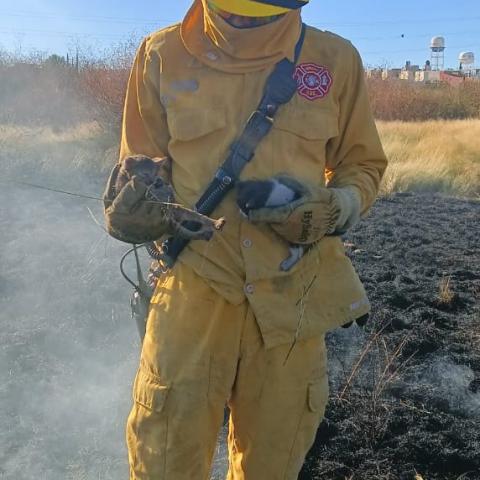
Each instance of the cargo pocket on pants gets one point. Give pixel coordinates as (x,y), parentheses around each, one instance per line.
(315,397)
(149,392)
(147,428)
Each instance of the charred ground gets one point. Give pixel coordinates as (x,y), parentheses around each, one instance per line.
(405,394)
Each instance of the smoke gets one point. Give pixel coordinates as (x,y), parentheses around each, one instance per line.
(344,350)
(439,382)
(449,383)
(68,347)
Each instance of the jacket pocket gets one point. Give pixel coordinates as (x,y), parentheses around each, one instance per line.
(149,392)
(187,124)
(299,142)
(198,143)
(308,123)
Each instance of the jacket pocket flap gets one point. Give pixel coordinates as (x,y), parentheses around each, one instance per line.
(148,392)
(189,123)
(311,124)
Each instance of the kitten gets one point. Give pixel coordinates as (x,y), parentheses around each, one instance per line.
(256,194)
(157,174)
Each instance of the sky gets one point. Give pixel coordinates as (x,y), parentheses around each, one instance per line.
(386,33)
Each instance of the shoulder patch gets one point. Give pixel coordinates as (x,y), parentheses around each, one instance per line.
(313,81)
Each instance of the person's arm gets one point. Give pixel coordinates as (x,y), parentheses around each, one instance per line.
(129,217)
(355,165)
(144,127)
(355,159)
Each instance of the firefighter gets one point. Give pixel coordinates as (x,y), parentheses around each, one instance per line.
(226,324)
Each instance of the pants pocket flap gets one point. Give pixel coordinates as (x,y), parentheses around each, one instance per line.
(149,392)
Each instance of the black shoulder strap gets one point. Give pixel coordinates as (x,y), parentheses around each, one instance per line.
(279,90)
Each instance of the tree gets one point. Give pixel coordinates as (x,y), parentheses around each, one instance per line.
(55,60)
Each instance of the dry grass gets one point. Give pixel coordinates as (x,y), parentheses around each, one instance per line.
(61,155)
(54,118)
(103,90)
(385,366)
(435,156)
(411,101)
(445,293)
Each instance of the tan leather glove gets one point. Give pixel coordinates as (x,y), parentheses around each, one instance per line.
(134,216)
(317,212)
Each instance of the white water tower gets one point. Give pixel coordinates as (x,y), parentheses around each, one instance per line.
(467,62)
(437,47)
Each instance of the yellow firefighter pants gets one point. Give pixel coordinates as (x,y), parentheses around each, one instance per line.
(200,353)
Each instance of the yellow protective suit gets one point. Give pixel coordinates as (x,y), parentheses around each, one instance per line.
(201,351)
(223,320)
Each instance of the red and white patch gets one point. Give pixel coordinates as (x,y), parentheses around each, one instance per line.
(314,81)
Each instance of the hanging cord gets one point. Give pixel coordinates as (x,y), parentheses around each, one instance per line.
(139,268)
(142,284)
(142,295)
(142,287)
(122,267)
(19,183)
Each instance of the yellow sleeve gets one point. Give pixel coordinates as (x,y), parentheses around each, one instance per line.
(356,157)
(144,126)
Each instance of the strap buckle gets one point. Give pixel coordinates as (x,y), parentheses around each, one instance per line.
(258,125)
(243,150)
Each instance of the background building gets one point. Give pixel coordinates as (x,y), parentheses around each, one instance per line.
(434,70)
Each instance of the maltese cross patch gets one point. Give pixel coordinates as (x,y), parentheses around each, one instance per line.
(314,81)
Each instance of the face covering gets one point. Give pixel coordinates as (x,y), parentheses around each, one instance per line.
(216,43)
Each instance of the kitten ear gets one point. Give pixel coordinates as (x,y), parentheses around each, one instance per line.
(164,166)
(129,163)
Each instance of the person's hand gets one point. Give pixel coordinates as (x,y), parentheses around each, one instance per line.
(133,218)
(317,211)
(133,215)
(361,322)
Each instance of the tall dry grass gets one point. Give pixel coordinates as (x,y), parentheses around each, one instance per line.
(401,100)
(58,157)
(434,156)
(103,90)
(40,94)
(54,119)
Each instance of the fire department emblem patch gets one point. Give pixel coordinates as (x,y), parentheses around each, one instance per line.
(314,81)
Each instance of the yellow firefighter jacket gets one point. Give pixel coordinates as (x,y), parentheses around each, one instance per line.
(192,110)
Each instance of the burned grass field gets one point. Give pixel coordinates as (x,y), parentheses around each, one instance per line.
(405,393)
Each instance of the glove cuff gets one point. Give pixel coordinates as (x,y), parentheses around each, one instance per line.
(349,202)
